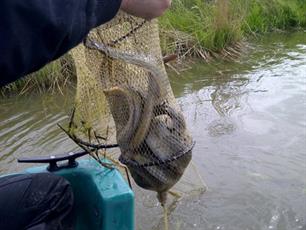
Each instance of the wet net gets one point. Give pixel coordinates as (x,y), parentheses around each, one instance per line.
(124,96)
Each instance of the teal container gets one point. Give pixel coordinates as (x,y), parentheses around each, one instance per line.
(103,199)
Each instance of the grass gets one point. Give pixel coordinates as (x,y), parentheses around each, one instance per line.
(265,16)
(53,77)
(200,28)
(213,26)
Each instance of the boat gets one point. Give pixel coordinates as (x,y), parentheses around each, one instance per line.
(103,199)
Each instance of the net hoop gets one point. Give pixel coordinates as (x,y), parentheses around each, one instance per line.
(177,156)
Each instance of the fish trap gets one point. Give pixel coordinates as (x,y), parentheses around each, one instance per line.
(124,95)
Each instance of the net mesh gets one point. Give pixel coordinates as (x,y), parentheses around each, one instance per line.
(124,96)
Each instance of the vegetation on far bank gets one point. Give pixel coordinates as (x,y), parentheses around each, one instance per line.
(201,28)
(53,77)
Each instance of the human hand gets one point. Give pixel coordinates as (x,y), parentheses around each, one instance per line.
(147,9)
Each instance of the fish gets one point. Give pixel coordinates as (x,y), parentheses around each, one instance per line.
(125,100)
(154,92)
(166,139)
(154,131)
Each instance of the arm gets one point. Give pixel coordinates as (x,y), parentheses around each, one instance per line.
(34,32)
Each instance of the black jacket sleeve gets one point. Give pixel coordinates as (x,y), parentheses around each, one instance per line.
(35,32)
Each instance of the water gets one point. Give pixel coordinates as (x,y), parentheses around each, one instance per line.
(248,119)
(28,127)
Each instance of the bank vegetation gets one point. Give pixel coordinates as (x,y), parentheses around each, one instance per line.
(204,29)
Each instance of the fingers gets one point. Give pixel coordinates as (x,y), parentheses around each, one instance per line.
(147,9)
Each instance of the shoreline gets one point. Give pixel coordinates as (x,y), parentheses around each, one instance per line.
(206,30)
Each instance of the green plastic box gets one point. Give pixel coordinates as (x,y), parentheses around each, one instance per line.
(103,199)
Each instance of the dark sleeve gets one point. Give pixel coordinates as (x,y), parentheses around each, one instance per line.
(35,32)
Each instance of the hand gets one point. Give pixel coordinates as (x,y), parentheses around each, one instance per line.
(147,9)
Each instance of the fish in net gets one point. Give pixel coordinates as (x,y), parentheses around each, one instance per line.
(124,95)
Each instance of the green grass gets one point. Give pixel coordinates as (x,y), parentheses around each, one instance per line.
(211,25)
(201,28)
(215,25)
(265,16)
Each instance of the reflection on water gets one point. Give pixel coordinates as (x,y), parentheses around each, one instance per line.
(248,119)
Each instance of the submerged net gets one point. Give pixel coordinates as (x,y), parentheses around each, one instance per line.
(124,96)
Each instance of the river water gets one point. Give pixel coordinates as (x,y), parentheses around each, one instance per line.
(248,118)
